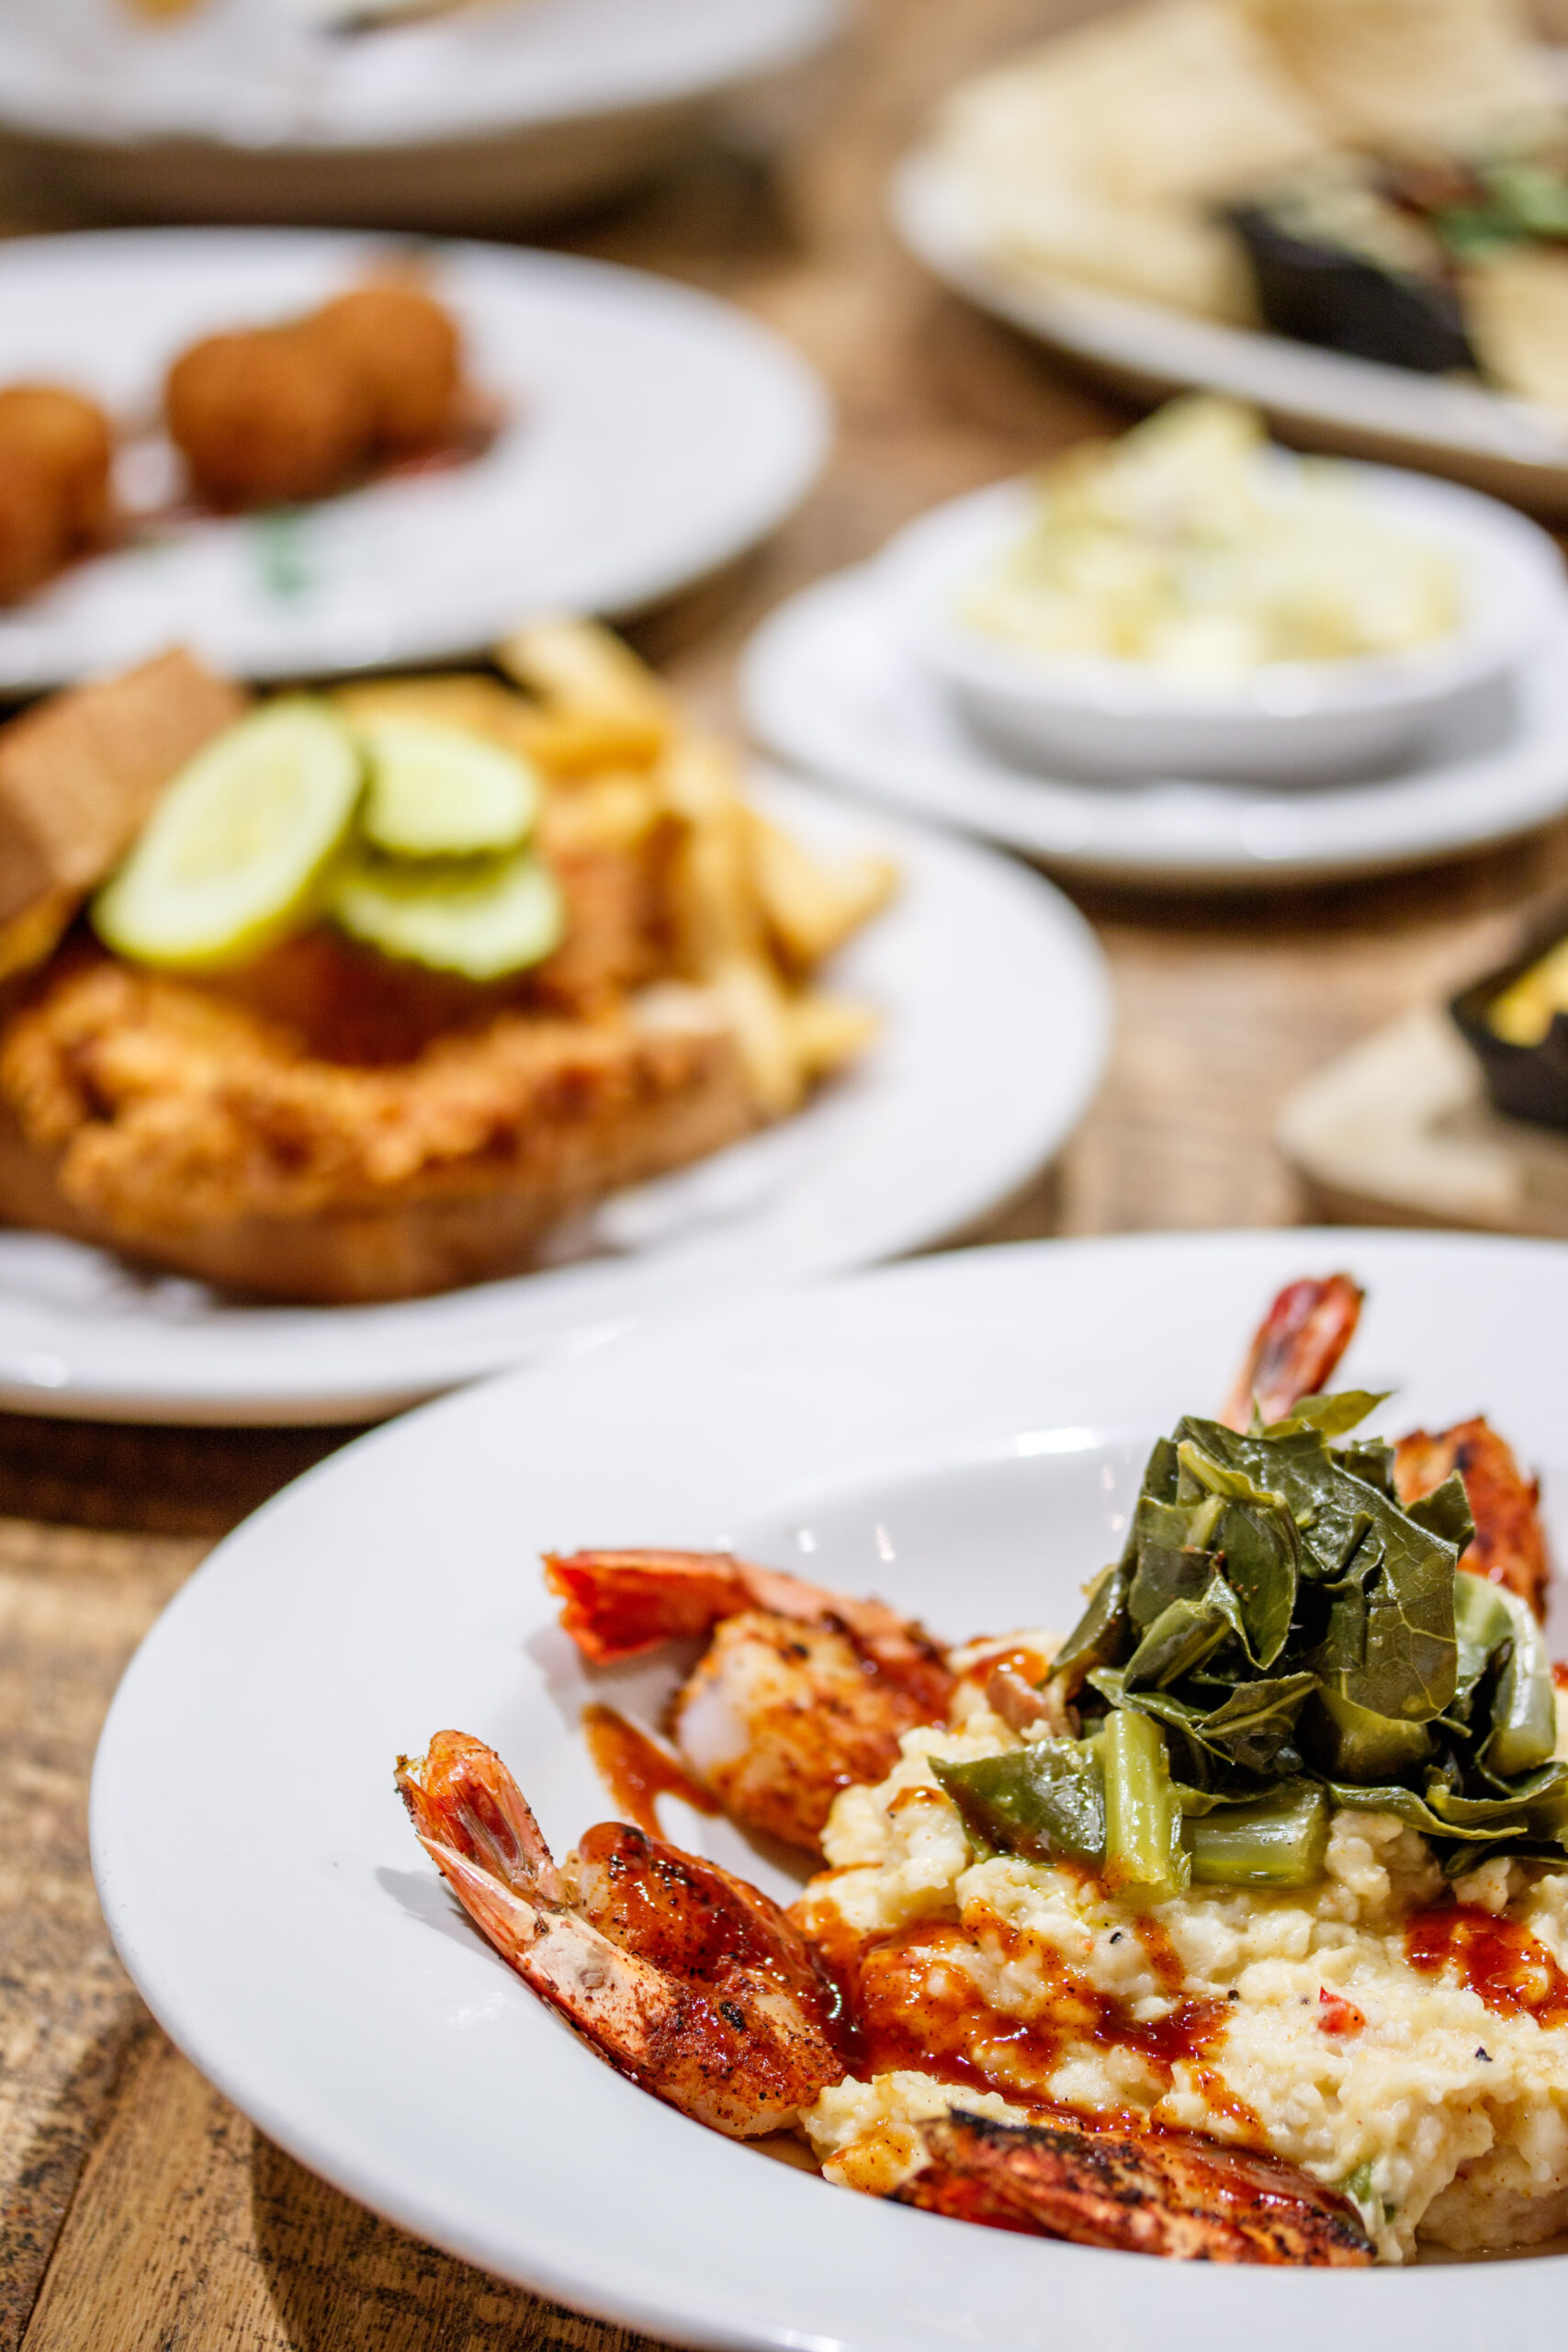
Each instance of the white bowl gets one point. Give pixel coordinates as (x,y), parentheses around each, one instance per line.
(1285,723)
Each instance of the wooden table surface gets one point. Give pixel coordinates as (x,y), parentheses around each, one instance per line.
(137,2209)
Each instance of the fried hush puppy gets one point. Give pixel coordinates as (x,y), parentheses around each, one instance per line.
(54,482)
(281,415)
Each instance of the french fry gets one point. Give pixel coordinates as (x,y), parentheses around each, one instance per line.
(613,811)
(565,744)
(760,1014)
(716,912)
(579,667)
(826,1032)
(476,704)
(571,743)
(810,907)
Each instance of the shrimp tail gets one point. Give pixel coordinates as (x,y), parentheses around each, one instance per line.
(462,1798)
(1295,1349)
(619,1604)
(506,1920)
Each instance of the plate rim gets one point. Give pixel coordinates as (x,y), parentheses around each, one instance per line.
(807,746)
(1106,328)
(800,28)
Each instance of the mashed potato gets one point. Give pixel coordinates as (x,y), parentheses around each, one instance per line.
(1292,2019)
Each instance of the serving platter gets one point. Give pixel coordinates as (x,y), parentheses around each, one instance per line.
(962,1436)
(996,1011)
(833,684)
(648,434)
(475,115)
(1320,399)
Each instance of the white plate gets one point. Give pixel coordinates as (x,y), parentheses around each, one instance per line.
(997,1013)
(961,1436)
(245,107)
(832,684)
(1504,446)
(652,433)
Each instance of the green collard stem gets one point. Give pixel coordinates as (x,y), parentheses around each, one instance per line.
(1277,1841)
(1142,1820)
(1045,1801)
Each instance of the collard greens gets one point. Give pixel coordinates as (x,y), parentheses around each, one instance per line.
(1299,1637)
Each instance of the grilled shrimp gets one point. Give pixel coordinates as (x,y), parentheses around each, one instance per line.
(800,1692)
(1187,2197)
(1510,1545)
(1294,1354)
(687,1980)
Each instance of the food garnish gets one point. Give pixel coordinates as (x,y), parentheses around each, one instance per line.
(480,917)
(233,857)
(1189,547)
(1281,1631)
(433,792)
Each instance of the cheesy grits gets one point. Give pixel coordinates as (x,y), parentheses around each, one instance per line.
(1311,2021)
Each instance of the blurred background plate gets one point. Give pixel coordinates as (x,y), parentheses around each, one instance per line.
(997,1025)
(834,685)
(1317,398)
(483,115)
(650,435)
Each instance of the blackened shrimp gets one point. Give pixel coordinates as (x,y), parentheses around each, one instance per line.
(1187,2197)
(687,1980)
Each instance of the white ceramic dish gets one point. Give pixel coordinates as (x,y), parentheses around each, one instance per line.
(997,1018)
(832,684)
(484,116)
(651,435)
(1289,722)
(961,1436)
(1319,398)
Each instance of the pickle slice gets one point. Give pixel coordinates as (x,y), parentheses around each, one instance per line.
(496,916)
(435,792)
(233,856)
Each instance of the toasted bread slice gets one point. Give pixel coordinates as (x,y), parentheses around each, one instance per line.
(79,776)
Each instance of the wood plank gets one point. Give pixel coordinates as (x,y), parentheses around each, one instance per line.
(196,2232)
(73,1607)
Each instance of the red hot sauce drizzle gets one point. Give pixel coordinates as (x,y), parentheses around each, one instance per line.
(637,1771)
(1498,1958)
(915,2005)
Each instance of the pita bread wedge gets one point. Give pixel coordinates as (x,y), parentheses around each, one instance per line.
(1409,74)
(1100,154)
